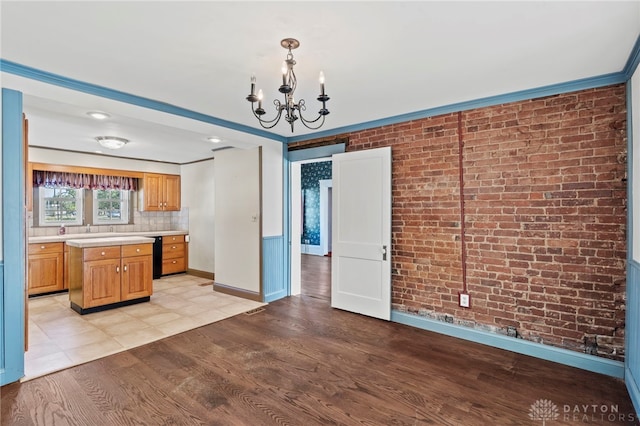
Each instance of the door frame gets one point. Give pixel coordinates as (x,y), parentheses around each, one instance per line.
(325,215)
(292,257)
(12,282)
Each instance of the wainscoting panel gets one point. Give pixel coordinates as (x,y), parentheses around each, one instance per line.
(632,333)
(273,273)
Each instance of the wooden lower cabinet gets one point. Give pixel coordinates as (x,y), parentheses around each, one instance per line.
(137,271)
(65,274)
(101,279)
(174,254)
(106,277)
(45,268)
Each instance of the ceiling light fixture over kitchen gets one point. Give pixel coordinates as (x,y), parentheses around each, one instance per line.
(214,139)
(98,115)
(112,142)
(288,88)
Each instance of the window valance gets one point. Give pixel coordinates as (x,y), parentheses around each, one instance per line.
(53,179)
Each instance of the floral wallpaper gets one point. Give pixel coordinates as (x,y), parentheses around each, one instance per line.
(312,174)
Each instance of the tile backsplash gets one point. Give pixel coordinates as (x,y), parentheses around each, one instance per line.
(142,222)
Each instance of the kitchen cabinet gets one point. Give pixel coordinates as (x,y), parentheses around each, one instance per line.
(65,269)
(104,277)
(45,268)
(174,254)
(137,271)
(160,192)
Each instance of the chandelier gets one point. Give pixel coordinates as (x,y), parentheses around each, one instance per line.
(292,110)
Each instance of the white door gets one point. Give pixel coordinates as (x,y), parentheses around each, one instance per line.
(361,239)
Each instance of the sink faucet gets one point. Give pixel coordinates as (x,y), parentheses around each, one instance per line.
(88,228)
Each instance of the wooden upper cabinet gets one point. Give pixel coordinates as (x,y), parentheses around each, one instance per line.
(152,192)
(160,192)
(172,192)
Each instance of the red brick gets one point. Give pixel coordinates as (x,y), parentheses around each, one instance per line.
(545,215)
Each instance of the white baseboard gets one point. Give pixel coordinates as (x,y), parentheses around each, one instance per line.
(311,249)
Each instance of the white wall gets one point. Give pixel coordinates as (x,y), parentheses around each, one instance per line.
(52,156)
(296,227)
(198,197)
(272,188)
(237,219)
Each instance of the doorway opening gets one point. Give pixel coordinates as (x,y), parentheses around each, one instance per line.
(311,201)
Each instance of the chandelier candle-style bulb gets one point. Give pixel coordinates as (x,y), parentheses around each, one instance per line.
(259,110)
(321,78)
(288,107)
(252,96)
(284,73)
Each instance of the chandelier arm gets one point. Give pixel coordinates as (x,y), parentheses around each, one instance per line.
(293,81)
(303,107)
(307,123)
(266,123)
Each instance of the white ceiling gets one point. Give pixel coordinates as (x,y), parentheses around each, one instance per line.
(381,59)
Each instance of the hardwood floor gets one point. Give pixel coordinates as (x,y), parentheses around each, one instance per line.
(316,276)
(299,362)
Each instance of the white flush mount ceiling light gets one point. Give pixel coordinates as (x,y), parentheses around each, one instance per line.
(214,139)
(112,142)
(98,115)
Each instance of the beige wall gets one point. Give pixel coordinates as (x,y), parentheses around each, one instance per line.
(197,198)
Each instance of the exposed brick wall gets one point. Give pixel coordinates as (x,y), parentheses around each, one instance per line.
(545,217)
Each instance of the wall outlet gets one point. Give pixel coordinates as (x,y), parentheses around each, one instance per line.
(464,300)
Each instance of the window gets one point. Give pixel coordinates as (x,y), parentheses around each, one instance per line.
(110,206)
(60,206)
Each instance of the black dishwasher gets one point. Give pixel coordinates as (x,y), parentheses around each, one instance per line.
(157,257)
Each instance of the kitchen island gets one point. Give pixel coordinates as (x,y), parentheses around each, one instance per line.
(106,273)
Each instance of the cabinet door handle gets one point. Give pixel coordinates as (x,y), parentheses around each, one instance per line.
(137,250)
(117,269)
(175,261)
(102,254)
(173,247)
(42,247)
(160,205)
(125,268)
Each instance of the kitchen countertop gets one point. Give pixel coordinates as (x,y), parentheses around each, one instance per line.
(102,235)
(108,241)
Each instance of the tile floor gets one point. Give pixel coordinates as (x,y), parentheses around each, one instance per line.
(60,338)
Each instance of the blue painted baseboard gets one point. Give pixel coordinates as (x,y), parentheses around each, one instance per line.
(550,353)
(632,388)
